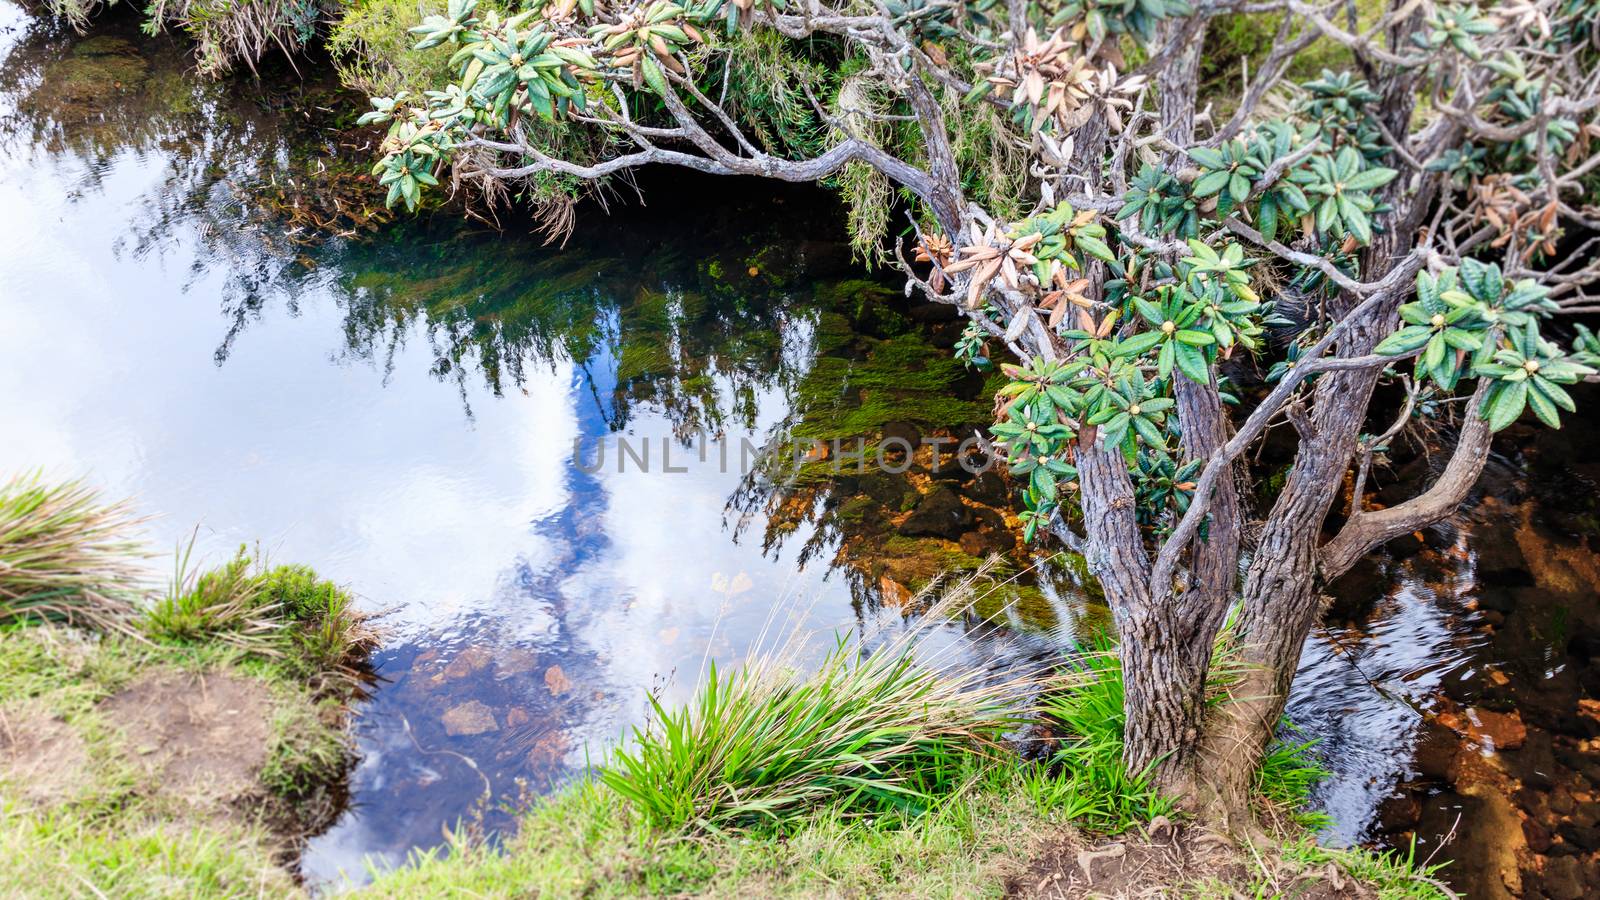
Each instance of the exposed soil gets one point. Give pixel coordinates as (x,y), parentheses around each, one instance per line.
(199,740)
(1172,861)
(42,758)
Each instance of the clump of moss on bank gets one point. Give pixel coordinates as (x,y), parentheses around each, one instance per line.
(170,746)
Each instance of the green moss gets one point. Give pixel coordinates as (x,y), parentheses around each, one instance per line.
(871,306)
(96,71)
(914,562)
(1024,603)
(856,509)
(902,380)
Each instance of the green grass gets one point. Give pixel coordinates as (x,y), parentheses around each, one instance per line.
(65,556)
(866,735)
(65,855)
(1093,787)
(586,842)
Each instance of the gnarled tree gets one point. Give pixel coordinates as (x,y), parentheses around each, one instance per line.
(1413,218)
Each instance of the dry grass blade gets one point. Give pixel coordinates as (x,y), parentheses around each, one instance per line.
(66,556)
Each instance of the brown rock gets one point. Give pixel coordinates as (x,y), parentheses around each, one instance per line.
(1537,835)
(1562,879)
(940,514)
(548,750)
(1437,753)
(467,662)
(469,718)
(1399,813)
(1496,731)
(557,681)
(511,663)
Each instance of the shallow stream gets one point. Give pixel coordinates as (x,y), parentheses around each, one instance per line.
(399,406)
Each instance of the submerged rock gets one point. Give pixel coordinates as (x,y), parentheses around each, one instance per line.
(939,514)
(467,718)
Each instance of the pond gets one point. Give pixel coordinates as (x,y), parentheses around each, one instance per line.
(196,312)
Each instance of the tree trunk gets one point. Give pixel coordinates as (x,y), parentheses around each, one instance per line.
(1279,603)
(1165,641)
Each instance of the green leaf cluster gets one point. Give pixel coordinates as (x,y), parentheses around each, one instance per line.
(1472,319)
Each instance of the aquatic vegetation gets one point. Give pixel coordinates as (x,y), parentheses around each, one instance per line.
(65,555)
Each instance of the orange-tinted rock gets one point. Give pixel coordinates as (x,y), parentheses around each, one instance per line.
(1497,731)
(467,662)
(557,681)
(469,718)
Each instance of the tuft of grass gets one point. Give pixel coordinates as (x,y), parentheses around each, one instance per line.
(310,627)
(867,733)
(1095,789)
(1289,771)
(227,604)
(328,633)
(65,555)
(1393,875)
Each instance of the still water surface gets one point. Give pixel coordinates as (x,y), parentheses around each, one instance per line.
(399,410)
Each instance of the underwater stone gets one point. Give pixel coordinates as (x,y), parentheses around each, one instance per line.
(939,514)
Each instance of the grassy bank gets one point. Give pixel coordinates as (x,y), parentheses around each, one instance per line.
(159,741)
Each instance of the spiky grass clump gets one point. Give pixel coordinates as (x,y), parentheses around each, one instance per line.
(289,614)
(868,733)
(65,556)
(1289,772)
(226,604)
